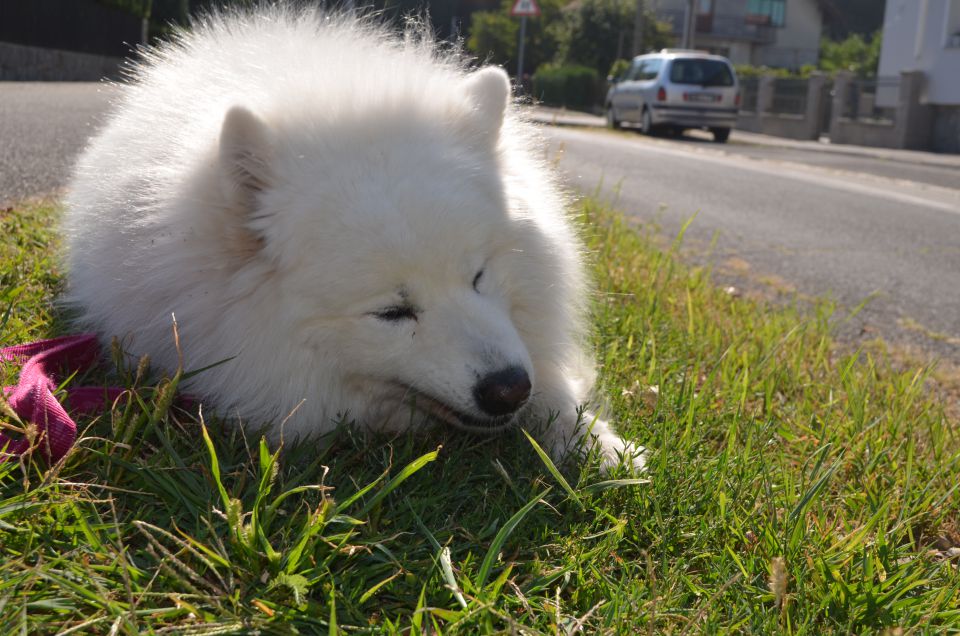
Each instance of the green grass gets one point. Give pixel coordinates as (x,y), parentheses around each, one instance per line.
(793,488)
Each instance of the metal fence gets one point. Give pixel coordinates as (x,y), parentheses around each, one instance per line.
(826,108)
(749,87)
(789,96)
(872,100)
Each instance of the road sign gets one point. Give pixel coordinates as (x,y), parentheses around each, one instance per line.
(524,9)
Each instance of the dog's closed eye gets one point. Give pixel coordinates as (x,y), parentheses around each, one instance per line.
(476,280)
(397,313)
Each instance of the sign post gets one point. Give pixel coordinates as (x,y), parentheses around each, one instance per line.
(523,9)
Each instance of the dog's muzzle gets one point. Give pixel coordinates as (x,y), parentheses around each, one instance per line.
(502,392)
(499,396)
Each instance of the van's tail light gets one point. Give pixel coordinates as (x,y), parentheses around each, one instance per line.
(662,94)
(736,100)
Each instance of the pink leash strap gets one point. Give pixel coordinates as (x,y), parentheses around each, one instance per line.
(32,398)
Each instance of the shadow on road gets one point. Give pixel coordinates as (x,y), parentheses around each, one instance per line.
(696,137)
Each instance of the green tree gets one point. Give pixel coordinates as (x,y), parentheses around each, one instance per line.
(843,18)
(855,54)
(596,33)
(494,35)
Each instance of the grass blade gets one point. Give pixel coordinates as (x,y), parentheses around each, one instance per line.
(551,467)
(404,474)
(446,566)
(600,486)
(502,536)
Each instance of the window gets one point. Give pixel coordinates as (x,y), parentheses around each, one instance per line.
(650,70)
(766,12)
(634,71)
(702,72)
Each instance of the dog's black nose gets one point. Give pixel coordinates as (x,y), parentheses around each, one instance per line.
(502,392)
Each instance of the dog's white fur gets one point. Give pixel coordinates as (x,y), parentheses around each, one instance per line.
(276,178)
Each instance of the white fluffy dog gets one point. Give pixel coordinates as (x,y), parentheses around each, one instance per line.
(350,217)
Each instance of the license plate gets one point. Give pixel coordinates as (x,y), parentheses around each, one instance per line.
(704,98)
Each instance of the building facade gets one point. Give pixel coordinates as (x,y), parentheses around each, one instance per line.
(775,33)
(924,36)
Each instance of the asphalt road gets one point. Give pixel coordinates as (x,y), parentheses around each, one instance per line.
(42,128)
(787,226)
(835,159)
(787,220)
(918,167)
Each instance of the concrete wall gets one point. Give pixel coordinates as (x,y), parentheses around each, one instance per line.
(805,126)
(31,63)
(913,125)
(862,133)
(786,126)
(798,42)
(899,30)
(740,52)
(844,130)
(918,35)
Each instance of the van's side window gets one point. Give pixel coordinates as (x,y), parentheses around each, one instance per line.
(651,69)
(636,70)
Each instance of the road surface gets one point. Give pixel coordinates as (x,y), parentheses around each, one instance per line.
(787,219)
(42,128)
(788,225)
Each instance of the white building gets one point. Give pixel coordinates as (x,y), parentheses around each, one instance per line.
(924,35)
(775,33)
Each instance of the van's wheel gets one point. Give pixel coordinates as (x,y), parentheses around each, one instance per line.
(646,122)
(720,135)
(612,121)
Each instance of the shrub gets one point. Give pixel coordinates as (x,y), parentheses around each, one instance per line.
(494,35)
(572,86)
(619,68)
(597,32)
(748,70)
(855,54)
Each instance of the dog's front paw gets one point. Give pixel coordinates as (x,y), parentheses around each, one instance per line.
(614,451)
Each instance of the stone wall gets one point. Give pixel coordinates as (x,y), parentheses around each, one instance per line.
(31,63)
(912,125)
(856,115)
(789,125)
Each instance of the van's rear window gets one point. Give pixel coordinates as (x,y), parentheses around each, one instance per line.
(702,72)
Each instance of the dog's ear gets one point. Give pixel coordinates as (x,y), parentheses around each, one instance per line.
(489,90)
(246,147)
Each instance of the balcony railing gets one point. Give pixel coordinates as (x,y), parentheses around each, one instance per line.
(730,27)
